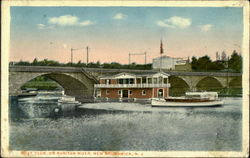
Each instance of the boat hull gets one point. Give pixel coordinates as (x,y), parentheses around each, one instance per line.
(163,103)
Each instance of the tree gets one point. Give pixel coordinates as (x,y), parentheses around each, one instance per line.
(194,64)
(235,62)
(35,62)
(204,63)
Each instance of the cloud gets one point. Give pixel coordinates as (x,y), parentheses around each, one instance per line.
(64,20)
(42,26)
(69,20)
(120,16)
(86,23)
(206,28)
(175,22)
(163,24)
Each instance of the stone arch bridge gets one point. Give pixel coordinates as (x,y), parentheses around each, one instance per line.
(79,82)
(75,81)
(191,81)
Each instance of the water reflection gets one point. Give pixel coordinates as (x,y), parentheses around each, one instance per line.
(46,104)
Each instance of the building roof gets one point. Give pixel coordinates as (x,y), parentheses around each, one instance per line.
(165,56)
(135,75)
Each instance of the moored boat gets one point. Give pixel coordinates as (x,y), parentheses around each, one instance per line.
(194,99)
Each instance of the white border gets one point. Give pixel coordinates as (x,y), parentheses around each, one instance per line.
(4,73)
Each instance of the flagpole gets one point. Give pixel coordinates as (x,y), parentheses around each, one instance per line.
(160,62)
(161,52)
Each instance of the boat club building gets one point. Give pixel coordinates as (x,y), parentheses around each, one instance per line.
(128,85)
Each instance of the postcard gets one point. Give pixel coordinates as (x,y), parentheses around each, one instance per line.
(125,78)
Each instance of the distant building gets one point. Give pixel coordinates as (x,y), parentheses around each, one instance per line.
(217,56)
(170,63)
(183,65)
(223,56)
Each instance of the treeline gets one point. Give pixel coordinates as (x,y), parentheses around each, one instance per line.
(204,63)
(231,64)
(112,65)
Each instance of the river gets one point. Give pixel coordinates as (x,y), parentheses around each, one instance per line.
(135,127)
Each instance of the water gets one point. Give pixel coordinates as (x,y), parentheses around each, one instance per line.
(133,126)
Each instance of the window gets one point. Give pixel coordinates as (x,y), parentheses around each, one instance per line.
(107,81)
(120,81)
(131,81)
(165,80)
(130,92)
(160,80)
(143,92)
(155,80)
(150,80)
(107,91)
(119,92)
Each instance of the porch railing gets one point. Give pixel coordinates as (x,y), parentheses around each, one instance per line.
(132,85)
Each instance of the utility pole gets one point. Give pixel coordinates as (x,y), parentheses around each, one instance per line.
(87,55)
(71,50)
(145,58)
(129,58)
(227,75)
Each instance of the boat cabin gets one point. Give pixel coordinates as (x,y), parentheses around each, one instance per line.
(202,95)
(128,85)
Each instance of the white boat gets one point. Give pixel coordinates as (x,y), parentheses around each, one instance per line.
(194,99)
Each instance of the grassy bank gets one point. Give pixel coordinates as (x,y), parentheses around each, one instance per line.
(52,85)
(222,92)
(41,85)
(230,92)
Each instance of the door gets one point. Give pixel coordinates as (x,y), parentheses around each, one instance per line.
(160,93)
(125,93)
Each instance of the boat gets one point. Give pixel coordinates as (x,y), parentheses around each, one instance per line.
(68,100)
(191,99)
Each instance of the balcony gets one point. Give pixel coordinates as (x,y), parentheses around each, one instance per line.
(158,85)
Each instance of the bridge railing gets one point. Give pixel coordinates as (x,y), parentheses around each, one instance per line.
(131,85)
(103,70)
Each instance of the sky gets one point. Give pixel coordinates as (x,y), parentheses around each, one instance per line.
(112,33)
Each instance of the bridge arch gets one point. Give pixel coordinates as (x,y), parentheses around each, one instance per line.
(209,83)
(178,86)
(74,84)
(235,82)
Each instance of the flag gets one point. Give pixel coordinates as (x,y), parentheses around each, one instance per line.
(161,51)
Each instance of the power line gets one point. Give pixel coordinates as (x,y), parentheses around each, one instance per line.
(82,48)
(133,54)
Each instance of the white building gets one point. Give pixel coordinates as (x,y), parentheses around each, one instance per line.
(168,63)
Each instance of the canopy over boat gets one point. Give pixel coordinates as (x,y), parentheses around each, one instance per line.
(202,95)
